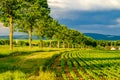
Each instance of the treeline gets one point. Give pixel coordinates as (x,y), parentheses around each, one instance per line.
(107,44)
(43,44)
(33,17)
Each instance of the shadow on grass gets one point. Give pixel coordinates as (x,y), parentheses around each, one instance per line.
(29,67)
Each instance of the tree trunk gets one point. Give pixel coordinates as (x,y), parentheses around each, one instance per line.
(30,37)
(72,45)
(58,44)
(63,44)
(11,33)
(41,43)
(68,45)
(50,43)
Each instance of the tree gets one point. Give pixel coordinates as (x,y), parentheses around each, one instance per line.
(8,15)
(64,34)
(40,29)
(50,29)
(57,33)
(32,13)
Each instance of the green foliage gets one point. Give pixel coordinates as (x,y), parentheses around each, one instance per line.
(22,43)
(34,14)
(44,76)
(33,17)
(15,75)
(4,42)
(8,8)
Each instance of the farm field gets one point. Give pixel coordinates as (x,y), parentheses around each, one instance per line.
(58,64)
(88,65)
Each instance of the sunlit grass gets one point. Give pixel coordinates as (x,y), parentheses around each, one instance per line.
(44,76)
(26,63)
(13,75)
(4,50)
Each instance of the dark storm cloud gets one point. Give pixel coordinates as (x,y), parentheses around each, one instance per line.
(90,17)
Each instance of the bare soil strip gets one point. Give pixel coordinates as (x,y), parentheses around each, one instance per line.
(57,66)
(67,72)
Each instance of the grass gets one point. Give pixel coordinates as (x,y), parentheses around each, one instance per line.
(24,63)
(16,75)
(44,76)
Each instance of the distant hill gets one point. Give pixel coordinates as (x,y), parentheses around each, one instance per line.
(17,37)
(92,35)
(102,36)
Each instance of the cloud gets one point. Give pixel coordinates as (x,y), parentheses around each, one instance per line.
(94,16)
(118,20)
(6,30)
(3,30)
(85,5)
(116,25)
(57,3)
(62,9)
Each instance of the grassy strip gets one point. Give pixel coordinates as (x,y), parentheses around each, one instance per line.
(29,65)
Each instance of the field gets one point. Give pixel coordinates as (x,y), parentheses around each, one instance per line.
(58,64)
(88,65)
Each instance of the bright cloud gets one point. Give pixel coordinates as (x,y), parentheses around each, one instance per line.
(86,5)
(61,9)
(6,30)
(3,30)
(2,27)
(117,25)
(118,20)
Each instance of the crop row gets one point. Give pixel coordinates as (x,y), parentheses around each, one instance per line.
(84,65)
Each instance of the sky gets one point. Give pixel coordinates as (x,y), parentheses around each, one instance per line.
(3,30)
(6,30)
(88,16)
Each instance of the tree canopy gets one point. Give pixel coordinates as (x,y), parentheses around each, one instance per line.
(33,17)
